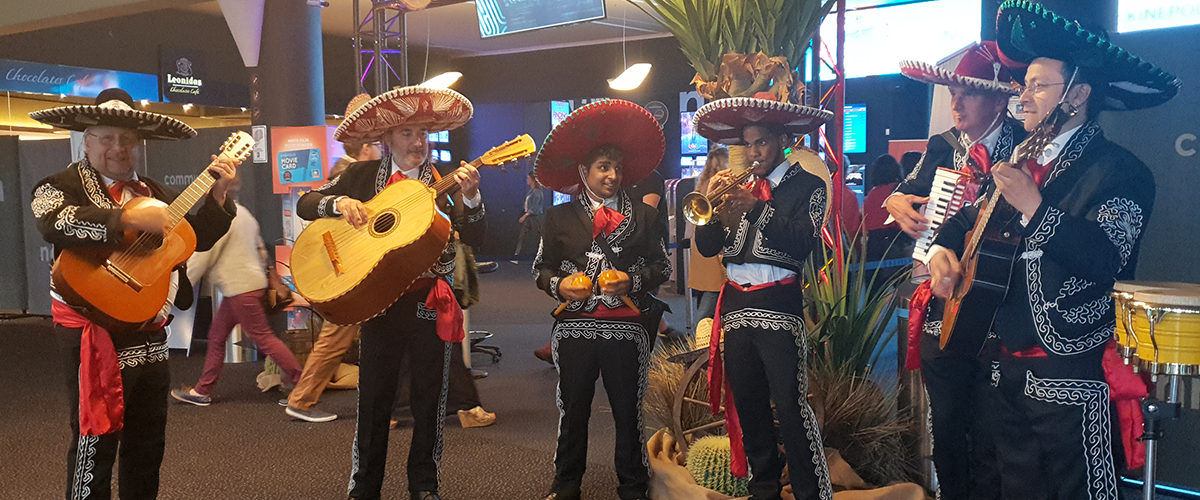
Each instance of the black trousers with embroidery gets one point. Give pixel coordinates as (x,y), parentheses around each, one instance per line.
(404,327)
(584,350)
(765,359)
(964,450)
(145,381)
(1054,430)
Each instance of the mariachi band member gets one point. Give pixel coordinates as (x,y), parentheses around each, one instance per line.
(980,88)
(1083,204)
(402,119)
(606,327)
(764,235)
(117,381)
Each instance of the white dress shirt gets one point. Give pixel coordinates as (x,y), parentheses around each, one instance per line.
(756,273)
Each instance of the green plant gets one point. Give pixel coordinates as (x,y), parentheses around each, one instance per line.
(708,461)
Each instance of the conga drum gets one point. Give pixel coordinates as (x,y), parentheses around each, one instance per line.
(1122,298)
(1166,324)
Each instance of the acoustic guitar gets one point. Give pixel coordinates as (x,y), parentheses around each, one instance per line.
(124,289)
(990,251)
(351,275)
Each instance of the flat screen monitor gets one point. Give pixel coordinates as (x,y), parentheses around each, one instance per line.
(690,143)
(1138,15)
(877,39)
(558,112)
(560,198)
(854,126)
(502,17)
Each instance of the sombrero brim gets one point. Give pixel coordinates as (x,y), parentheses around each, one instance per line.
(722,120)
(937,75)
(435,109)
(610,121)
(1026,31)
(147,125)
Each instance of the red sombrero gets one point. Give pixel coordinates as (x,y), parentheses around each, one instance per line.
(980,68)
(437,109)
(610,121)
(722,120)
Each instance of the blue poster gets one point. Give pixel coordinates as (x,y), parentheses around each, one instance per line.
(20,76)
(302,165)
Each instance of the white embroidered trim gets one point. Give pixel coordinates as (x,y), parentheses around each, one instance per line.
(995,373)
(70,226)
(762,319)
(92,186)
(764,217)
(46,199)
(816,210)
(1097,450)
(477,216)
(1051,339)
(425,313)
(329,184)
(764,252)
(441,420)
(812,428)
(1121,219)
(916,169)
(85,453)
(739,240)
(130,357)
(932,328)
(323,205)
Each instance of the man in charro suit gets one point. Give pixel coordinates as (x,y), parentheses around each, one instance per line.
(117,381)
(403,118)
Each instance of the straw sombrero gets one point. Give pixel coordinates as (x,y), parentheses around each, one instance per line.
(114,108)
(436,109)
(722,120)
(1026,31)
(980,68)
(609,121)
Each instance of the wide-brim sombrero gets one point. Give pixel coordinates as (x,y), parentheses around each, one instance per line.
(435,109)
(1026,31)
(979,68)
(114,108)
(609,121)
(722,120)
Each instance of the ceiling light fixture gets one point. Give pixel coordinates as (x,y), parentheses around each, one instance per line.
(632,77)
(442,81)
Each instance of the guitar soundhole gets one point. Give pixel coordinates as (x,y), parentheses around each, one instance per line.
(385,223)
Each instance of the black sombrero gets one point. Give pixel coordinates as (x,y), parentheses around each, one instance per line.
(114,108)
(1026,31)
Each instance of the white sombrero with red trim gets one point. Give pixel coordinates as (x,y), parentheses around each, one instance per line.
(979,68)
(722,120)
(435,109)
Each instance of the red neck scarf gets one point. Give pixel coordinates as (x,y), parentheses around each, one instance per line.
(606,221)
(117,189)
(396,177)
(762,189)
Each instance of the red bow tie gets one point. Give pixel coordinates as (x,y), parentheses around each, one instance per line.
(1039,171)
(980,162)
(117,190)
(606,221)
(396,177)
(762,189)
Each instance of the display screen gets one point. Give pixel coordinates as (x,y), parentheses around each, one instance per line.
(1137,15)
(22,76)
(558,112)
(501,17)
(877,39)
(690,143)
(854,126)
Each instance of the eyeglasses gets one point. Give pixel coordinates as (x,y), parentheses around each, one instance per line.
(126,141)
(1037,88)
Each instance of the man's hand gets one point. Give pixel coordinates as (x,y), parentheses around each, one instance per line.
(225,169)
(523,217)
(617,284)
(900,206)
(1018,188)
(945,272)
(568,290)
(468,180)
(353,212)
(148,218)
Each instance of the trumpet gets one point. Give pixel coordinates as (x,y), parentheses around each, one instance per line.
(699,209)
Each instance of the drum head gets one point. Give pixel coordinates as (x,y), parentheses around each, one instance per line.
(1183,295)
(1139,285)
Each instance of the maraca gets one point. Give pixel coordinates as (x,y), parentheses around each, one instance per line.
(580,281)
(610,276)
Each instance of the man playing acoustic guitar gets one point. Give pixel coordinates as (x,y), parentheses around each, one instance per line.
(117,383)
(1081,205)
(420,322)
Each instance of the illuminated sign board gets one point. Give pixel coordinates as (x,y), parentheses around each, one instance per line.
(1138,15)
(21,76)
(501,17)
(854,128)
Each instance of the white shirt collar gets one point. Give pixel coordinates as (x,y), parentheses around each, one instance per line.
(411,174)
(109,182)
(1056,146)
(989,141)
(610,202)
(776,175)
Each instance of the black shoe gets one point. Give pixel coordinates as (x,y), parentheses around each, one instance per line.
(424,495)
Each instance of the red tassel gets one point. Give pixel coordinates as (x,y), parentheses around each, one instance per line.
(917,310)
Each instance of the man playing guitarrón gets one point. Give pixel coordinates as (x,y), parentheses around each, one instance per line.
(403,119)
(1082,204)
(979,92)
(117,381)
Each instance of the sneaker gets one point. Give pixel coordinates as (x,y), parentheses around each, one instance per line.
(283,402)
(190,396)
(310,415)
(475,417)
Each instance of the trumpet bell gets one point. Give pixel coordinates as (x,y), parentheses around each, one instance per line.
(697,209)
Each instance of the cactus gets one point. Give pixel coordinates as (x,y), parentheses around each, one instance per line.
(708,461)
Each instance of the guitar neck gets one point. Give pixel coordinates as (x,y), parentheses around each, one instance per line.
(190,196)
(448,184)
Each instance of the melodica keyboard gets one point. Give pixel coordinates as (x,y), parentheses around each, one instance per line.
(952,189)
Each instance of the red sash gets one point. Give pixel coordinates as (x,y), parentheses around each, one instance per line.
(717,380)
(101,396)
(449,312)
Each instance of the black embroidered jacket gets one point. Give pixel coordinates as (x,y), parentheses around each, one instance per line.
(567,247)
(939,153)
(1086,234)
(781,232)
(73,208)
(365,179)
